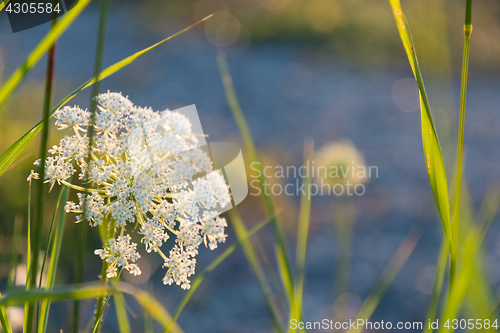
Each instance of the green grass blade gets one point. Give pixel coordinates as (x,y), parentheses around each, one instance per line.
(196,283)
(40,195)
(42,47)
(252,258)
(385,280)
(3,4)
(461,286)
(285,278)
(54,259)
(4,319)
(461,126)
(121,313)
(98,63)
(57,211)
(56,294)
(437,286)
(66,293)
(302,237)
(432,149)
(232,100)
(28,257)
(9,156)
(157,311)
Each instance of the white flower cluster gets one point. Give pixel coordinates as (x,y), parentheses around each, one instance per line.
(141,167)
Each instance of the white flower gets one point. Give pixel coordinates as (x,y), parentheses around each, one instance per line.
(33,175)
(154,234)
(120,253)
(143,168)
(180,267)
(71,117)
(71,207)
(213,229)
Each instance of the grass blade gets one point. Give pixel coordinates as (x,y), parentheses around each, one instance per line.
(157,311)
(461,125)
(232,100)
(66,293)
(4,319)
(17,297)
(40,198)
(302,236)
(121,313)
(432,149)
(101,34)
(437,286)
(249,251)
(42,47)
(385,280)
(54,259)
(196,283)
(3,4)
(28,257)
(457,295)
(9,156)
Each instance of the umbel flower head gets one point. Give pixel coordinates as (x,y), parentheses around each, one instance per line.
(340,163)
(144,173)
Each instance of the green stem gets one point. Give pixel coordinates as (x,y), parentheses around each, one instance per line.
(4,319)
(453,273)
(90,133)
(282,250)
(49,81)
(100,301)
(460,145)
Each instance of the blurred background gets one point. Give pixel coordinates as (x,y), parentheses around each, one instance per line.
(325,69)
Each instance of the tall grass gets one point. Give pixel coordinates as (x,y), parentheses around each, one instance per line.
(294,290)
(465,232)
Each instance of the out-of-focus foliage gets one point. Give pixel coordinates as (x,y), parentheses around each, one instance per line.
(361,32)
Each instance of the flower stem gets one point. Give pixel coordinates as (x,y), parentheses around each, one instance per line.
(90,133)
(49,81)
(460,145)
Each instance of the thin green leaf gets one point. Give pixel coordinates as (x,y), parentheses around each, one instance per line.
(9,156)
(461,286)
(385,280)
(249,251)
(3,4)
(54,257)
(437,286)
(4,319)
(302,237)
(65,293)
(17,297)
(57,210)
(232,100)
(156,310)
(461,126)
(196,283)
(121,313)
(42,47)
(28,257)
(432,149)
(40,195)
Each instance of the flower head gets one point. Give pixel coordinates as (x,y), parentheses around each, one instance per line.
(140,167)
(340,163)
